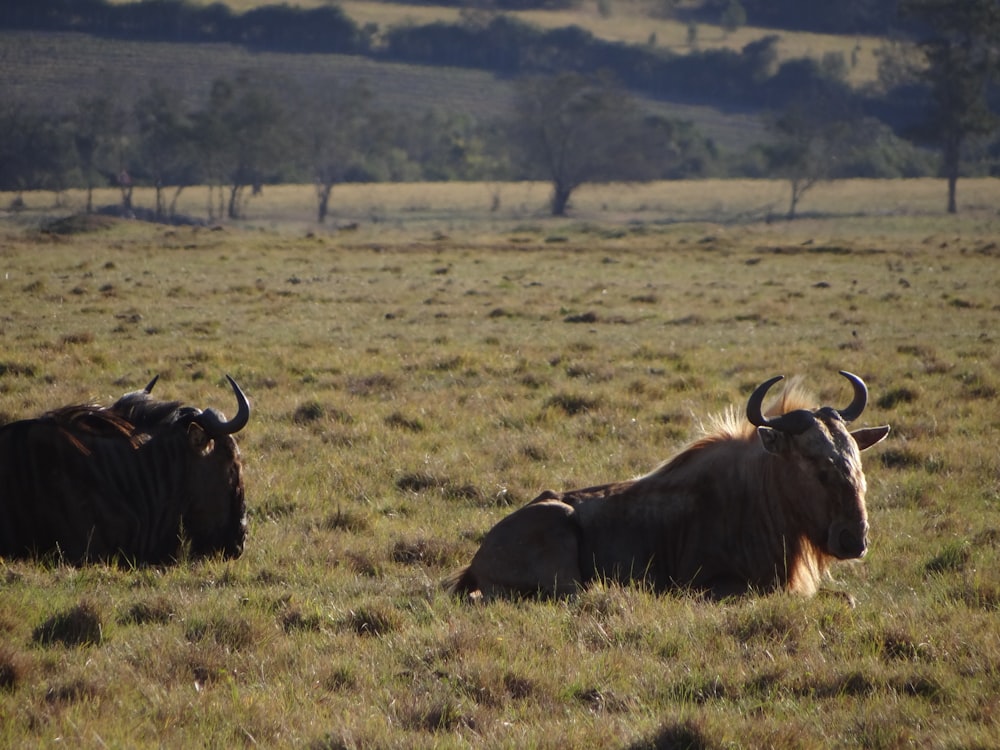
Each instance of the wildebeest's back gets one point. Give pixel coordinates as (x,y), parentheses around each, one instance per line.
(623,533)
(77,483)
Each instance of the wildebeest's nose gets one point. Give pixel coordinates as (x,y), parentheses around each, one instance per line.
(852,543)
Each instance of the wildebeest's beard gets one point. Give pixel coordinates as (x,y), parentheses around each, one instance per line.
(216,520)
(836,501)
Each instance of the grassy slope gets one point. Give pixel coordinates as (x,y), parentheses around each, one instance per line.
(631,21)
(57,68)
(410,380)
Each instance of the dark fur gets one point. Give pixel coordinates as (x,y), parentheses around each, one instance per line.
(89,483)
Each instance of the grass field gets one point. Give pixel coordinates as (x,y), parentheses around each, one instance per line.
(417,377)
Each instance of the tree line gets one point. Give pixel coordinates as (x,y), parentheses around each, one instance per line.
(577,119)
(250,132)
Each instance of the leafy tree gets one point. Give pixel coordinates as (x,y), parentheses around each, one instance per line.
(339,129)
(446,146)
(574,129)
(242,138)
(733,16)
(961,45)
(211,143)
(97,127)
(166,143)
(36,152)
(812,133)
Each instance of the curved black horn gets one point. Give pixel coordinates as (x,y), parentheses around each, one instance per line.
(793,422)
(209,419)
(149,387)
(754,414)
(853,411)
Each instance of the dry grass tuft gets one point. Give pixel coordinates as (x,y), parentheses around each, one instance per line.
(352,521)
(228,631)
(157,611)
(572,404)
(432,552)
(371,621)
(684,735)
(79,625)
(70,692)
(13,669)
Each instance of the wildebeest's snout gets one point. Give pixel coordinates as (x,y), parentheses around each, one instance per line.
(848,541)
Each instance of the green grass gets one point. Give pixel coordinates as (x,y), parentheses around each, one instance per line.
(416,378)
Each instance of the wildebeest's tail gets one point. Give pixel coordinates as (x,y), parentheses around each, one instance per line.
(463,583)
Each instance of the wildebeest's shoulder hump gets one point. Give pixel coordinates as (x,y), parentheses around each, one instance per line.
(597,492)
(145,412)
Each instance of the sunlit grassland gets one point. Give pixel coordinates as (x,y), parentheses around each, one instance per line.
(418,376)
(848,206)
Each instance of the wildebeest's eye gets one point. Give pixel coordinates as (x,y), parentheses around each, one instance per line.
(827,473)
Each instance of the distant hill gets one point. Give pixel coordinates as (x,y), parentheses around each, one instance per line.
(628,21)
(635,23)
(54,68)
(420,57)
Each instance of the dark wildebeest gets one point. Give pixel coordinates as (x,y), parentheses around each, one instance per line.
(755,506)
(131,481)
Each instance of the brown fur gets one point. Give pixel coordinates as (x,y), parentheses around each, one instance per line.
(737,511)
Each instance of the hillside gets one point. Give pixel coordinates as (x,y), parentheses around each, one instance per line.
(629,21)
(54,68)
(633,23)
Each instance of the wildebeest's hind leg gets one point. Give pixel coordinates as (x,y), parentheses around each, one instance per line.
(534,550)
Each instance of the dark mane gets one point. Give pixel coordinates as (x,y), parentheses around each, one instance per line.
(130,418)
(144,412)
(89,419)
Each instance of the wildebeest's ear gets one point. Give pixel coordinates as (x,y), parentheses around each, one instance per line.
(774,441)
(867,437)
(200,441)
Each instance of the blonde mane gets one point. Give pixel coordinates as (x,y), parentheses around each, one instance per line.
(732,423)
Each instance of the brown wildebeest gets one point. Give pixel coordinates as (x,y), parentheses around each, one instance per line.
(750,507)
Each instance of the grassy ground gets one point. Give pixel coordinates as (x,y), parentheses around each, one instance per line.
(417,377)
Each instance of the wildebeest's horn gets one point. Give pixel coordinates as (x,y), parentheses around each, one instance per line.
(794,422)
(209,419)
(853,411)
(754,414)
(149,387)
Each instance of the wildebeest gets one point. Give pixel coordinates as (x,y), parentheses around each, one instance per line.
(132,481)
(750,507)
